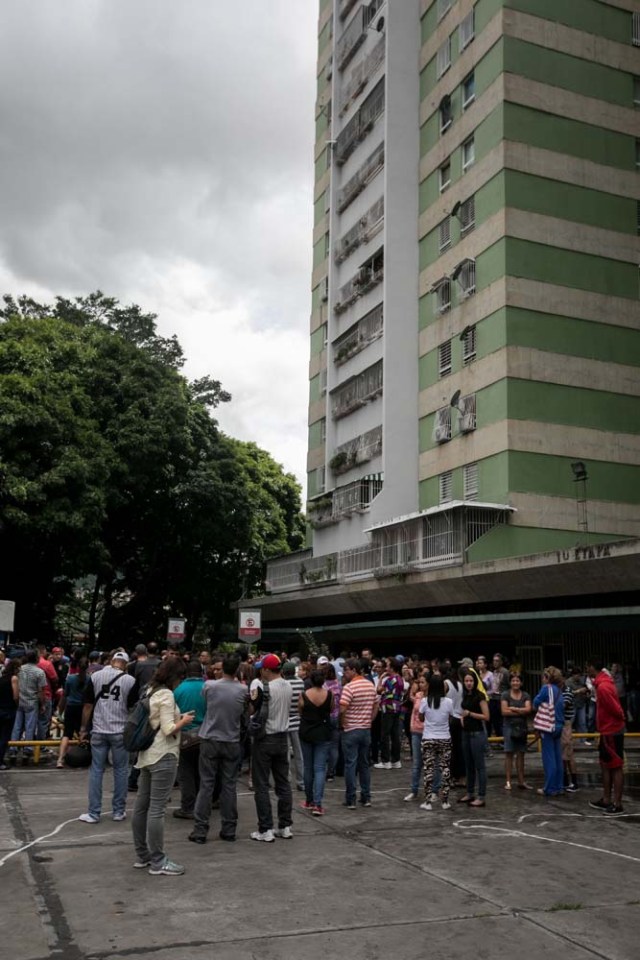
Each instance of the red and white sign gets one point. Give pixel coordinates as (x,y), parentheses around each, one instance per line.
(249,625)
(175,629)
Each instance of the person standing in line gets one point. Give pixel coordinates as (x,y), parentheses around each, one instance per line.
(516,708)
(453,690)
(44,717)
(293,733)
(332,683)
(416,729)
(9,698)
(32,682)
(499,684)
(107,699)
(610,721)
(315,738)
(568,755)
(475,716)
(227,704)
(391,693)
(158,765)
(358,710)
(189,699)
(270,753)
(71,707)
(577,684)
(437,711)
(550,692)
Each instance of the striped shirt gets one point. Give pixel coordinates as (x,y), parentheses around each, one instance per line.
(569,705)
(359,696)
(110,692)
(297,686)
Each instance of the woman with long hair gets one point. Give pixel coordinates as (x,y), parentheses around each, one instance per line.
(416,728)
(71,706)
(437,711)
(550,693)
(9,696)
(315,738)
(516,707)
(334,686)
(475,714)
(158,765)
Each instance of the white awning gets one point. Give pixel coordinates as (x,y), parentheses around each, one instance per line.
(441,508)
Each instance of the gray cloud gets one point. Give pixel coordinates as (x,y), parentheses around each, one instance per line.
(163,150)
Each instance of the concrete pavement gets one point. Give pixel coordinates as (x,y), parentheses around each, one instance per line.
(523,877)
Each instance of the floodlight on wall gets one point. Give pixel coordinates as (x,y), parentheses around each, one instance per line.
(579,471)
(580,478)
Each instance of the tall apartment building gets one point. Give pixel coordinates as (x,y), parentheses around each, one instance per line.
(475,325)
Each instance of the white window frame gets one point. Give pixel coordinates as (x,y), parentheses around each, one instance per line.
(469,343)
(445,487)
(323,429)
(636,91)
(467,215)
(444,234)
(321,479)
(469,100)
(445,124)
(444,359)
(470,481)
(467,413)
(443,8)
(443,297)
(444,185)
(468,145)
(635,35)
(442,425)
(466,30)
(443,58)
(637,154)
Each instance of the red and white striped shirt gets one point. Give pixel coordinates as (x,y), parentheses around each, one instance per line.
(359,695)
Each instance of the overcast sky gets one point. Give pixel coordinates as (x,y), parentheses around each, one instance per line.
(161,151)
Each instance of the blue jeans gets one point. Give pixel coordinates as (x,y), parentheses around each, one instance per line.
(44,720)
(315,770)
(474,743)
(416,762)
(580,719)
(101,743)
(26,721)
(355,748)
(552,764)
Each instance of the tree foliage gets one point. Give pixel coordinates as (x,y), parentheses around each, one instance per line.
(114,475)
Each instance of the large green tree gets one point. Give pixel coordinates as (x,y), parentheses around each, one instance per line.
(116,485)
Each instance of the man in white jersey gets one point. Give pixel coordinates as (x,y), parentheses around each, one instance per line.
(108,698)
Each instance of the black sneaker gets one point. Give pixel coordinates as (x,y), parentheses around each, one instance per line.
(196,838)
(181,815)
(613,810)
(600,804)
(572,788)
(349,806)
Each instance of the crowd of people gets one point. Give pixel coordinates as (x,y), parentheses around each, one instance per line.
(302,723)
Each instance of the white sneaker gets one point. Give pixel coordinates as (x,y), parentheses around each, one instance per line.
(267,836)
(382,766)
(118,817)
(142,864)
(446,805)
(167,869)
(283,832)
(88,818)
(426,806)
(410,796)
(395,766)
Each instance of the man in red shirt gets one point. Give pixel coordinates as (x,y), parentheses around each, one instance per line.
(610,723)
(44,718)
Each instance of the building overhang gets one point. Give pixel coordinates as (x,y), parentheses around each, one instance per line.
(450,506)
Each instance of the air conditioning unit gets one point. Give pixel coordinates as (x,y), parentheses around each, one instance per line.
(467,421)
(442,426)
(442,434)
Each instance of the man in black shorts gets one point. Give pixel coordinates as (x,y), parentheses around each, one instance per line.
(610,723)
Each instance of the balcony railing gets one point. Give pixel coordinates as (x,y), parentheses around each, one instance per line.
(352,38)
(301,569)
(370,273)
(361,232)
(361,73)
(359,336)
(372,165)
(357,391)
(359,126)
(359,450)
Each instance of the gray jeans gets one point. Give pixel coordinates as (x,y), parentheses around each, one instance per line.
(219,765)
(154,790)
(298,760)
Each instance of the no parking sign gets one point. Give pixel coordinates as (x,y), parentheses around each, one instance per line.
(249,625)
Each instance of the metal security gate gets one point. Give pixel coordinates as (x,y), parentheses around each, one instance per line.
(531,660)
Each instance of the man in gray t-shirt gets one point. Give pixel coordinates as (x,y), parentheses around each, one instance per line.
(31,684)
(220,751)
(270,753)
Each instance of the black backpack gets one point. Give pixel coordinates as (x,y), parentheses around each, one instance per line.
(138,733)
(258,720)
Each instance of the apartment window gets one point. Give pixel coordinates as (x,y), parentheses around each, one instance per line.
(467,215)
(468,153)
(442,425)
(467,30)
(444,358)
(444,175)
(327,245)
(323,382)
(321,479)
(468,90)
(636,91)
(444,231)
(470,481)
(446,113)
(443,296)
(636,30)
(638,154)
(468,337)
(465,274)
(443,7)
(445,486)
(443,61)
(638,215)
(323,429)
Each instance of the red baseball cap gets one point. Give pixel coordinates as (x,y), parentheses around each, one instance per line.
(271,662)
